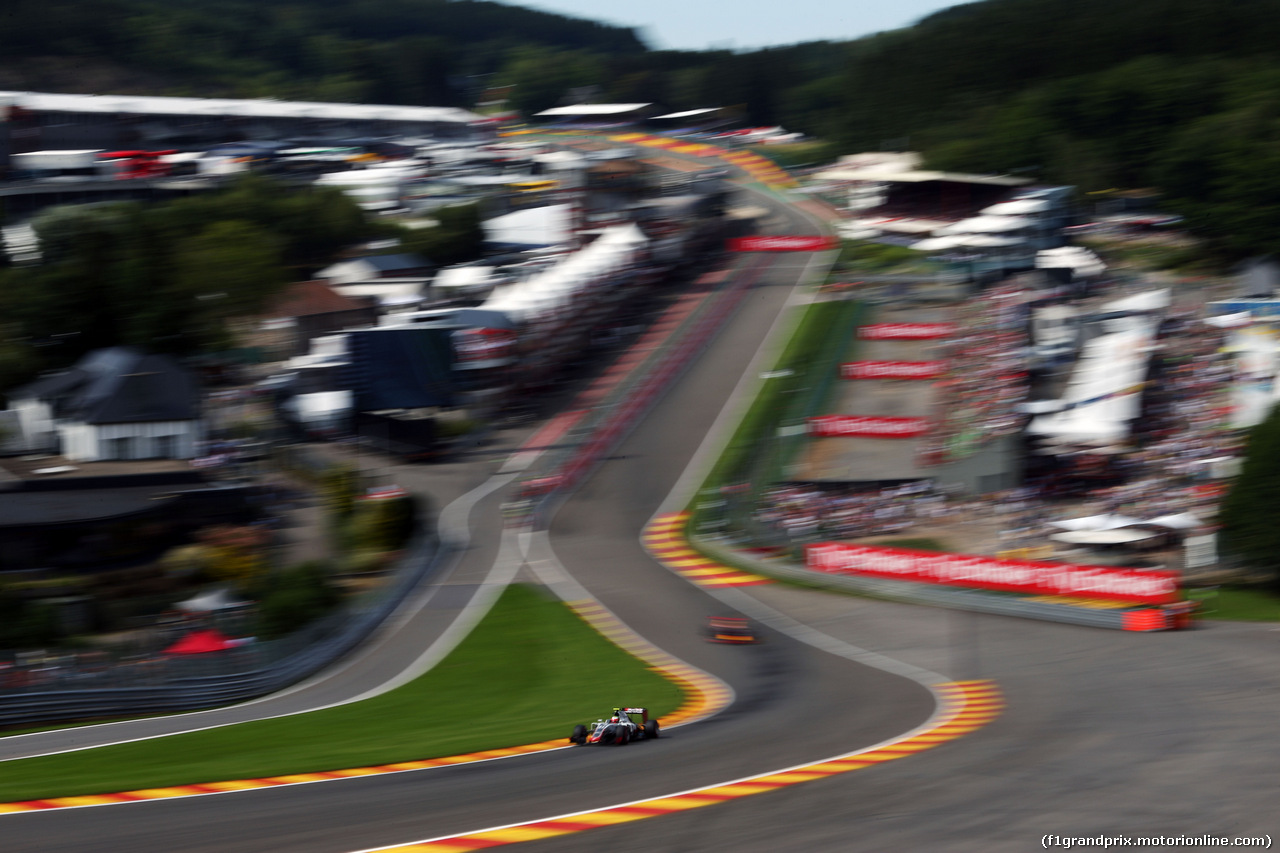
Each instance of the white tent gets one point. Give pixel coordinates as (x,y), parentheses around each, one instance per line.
(1017,207)
(939,244)
(562,160)
(1109,521)
(1076,258)
(986,225)
(1102,537)
(1230,321)
(1151,300)
(536,226)
(209,601)
(1176,521)
(1103,394)
(555,288)
(989,241)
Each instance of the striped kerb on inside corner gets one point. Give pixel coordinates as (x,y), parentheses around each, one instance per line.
(664,539)
(964,706)
(703,696)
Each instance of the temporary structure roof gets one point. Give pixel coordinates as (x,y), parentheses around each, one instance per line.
(939,244)
(549,290)
(986,225)
(1102,537)
(535,226)
(690,113)
(1017,207)
(264,108)
(1177,521)
(1076,258)
(1110,521)
(205,602)
(1151,300)
(1103,393)
(915,176)
(592,110)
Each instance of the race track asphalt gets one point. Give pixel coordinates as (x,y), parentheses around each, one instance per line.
(1105,732)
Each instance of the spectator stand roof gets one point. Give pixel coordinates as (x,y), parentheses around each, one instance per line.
(593,110)
(261,108)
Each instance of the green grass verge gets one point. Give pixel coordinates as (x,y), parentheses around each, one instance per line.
(1239,604)
(776,397)
(531,660)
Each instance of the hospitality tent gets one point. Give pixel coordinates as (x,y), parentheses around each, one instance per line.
(986,225)
(1103,537)
(1017,207)
(549,225)
(1079,260)
(615,249)
(1176,521)
(1104,393)
(1106,521)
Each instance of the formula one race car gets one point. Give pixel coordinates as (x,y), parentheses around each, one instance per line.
(734,630)
(618,728)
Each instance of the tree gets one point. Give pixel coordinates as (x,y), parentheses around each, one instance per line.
(457,237)
(294,597)
(1248,514)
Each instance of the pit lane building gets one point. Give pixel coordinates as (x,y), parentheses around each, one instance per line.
(38,121)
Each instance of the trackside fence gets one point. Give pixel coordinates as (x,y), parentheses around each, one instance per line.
(169,686)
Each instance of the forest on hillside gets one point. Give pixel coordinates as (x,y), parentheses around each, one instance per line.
(1179,95)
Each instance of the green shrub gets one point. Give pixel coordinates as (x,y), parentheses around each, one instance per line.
(384,524)
(26,624)
(293,598)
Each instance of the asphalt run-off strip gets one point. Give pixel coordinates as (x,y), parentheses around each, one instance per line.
(704,696)
(964,707)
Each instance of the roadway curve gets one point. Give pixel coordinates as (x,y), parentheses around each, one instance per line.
(1105,732)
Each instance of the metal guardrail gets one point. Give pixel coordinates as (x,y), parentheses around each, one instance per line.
(338,634)
(917,593)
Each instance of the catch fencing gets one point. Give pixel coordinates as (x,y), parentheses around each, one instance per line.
(170,685)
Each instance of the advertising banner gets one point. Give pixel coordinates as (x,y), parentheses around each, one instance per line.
(906,331)
(892,369)
(980,572)
(781,243)
(859,426)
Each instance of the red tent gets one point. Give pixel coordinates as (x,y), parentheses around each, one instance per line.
(199,642)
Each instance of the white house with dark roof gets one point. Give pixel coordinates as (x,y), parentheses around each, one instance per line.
(404,265)
(114,404)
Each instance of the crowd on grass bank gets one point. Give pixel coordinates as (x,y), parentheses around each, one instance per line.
(809,513)
(986,377)
(1165,468)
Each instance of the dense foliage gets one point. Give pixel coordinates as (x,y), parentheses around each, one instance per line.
(1249,529)
(1179,95)
(293,598)
(164,277)
(374,51)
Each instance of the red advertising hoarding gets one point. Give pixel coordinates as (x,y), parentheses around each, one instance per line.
(906,331)
(783,243)
(979,572)
(859,426)
(892,369)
